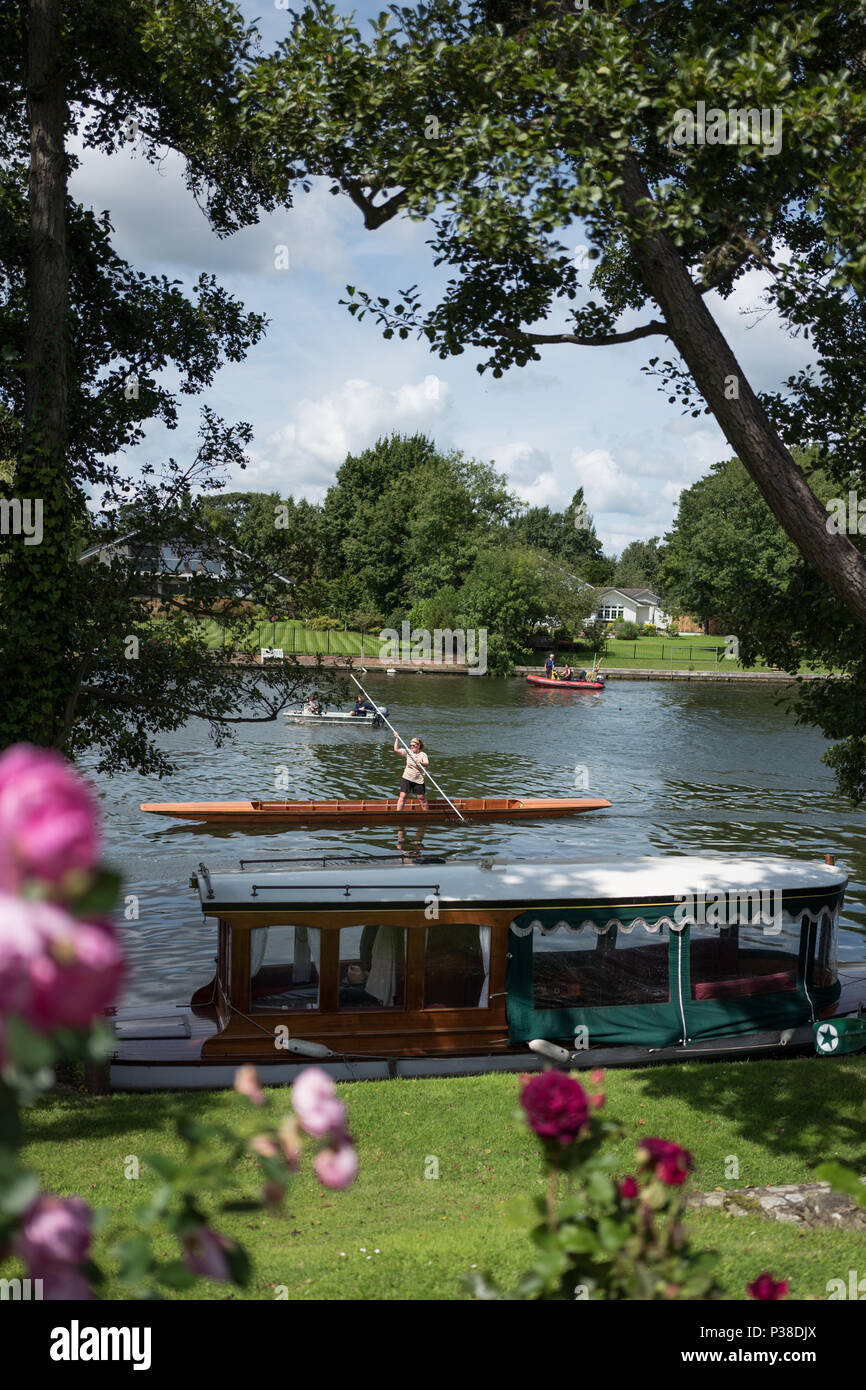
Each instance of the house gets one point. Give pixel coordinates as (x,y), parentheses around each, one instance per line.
(169,567)
(631,606)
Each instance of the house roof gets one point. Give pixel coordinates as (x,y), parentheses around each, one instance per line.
(634,594)
(170,559)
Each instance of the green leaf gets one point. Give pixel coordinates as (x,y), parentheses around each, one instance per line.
(175,1275)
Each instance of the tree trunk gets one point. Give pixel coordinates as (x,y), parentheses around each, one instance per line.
(35,667)
(703,348)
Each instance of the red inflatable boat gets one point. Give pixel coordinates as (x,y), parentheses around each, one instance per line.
(566,685)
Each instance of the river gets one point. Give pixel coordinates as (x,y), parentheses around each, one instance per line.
(689,767)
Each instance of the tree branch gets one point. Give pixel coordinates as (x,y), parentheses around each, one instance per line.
(374,215)
(647,330)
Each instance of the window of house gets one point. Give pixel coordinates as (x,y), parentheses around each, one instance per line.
(284,969)
(372,967)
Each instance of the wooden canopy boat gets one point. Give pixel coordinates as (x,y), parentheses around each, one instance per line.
(565,685)
(409,967)
(372,812)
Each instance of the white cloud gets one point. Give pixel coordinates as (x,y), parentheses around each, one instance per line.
(303,455)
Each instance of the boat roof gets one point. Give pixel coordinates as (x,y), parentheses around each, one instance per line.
(499,883)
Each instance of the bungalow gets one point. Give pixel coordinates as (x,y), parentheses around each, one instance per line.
(169,567)
(632,606)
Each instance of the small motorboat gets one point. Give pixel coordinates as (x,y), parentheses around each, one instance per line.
(415,966)
(372,719)
(565,685)
(373,812)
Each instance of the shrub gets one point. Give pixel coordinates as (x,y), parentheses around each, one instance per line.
(649,630)
(627,631)
(326,624)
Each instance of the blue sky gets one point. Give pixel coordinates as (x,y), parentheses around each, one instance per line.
(321,384)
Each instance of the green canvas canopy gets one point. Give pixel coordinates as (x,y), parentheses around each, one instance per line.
(649,974)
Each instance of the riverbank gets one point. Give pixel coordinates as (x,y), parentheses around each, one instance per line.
(626,673)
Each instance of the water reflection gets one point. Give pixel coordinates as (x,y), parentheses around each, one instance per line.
(689,768)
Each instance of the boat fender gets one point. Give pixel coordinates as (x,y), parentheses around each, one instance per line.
(550,1050)
(308,1049)
(786,1036)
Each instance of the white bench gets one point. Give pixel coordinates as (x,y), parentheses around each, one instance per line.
(272,654)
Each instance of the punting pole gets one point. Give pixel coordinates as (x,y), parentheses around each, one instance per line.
(408,750)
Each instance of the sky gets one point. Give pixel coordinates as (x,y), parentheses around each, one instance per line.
(321,385)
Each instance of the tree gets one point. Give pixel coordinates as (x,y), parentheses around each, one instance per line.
(505,124)
(638,565)
(85,338)
(728,556)
(511,590)
(402,519)
(569,535)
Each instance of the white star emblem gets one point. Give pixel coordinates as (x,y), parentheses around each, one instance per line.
(828,1038)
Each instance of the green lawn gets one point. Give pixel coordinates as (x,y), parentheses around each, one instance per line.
(400,1235)
(294,638)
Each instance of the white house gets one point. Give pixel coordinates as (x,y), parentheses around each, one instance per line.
(631,606)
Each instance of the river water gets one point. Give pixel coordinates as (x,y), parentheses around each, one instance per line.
(689,767)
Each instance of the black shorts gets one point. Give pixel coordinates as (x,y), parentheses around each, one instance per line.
(408,788)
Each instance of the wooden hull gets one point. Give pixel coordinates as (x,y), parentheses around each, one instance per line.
(565,685)
(371,812)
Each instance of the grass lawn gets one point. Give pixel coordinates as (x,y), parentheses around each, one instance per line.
(400,1235)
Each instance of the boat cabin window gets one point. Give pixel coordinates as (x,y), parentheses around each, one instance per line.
(456,966)
(744,959)
(284,969)
(372,967)
(575,967)
(824,966)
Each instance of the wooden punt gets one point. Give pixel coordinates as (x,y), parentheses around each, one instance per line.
(565,685)
(372,812)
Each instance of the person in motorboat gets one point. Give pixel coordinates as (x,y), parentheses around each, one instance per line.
(312,706)
(361,707)
(412,782)
(579,675)
(548,667)
(566,675)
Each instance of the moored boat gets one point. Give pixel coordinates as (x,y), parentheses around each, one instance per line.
(372,720)
(565,685)
(373,812)
(378,968)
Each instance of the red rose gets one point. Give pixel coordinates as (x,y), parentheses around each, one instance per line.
(766,1288)
(556,1106)
(628,1188)
(668,1161)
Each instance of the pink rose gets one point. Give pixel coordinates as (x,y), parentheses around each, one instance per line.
(64,1284)
(556,1106)
(21,944)
(55,1231)
(204,1253)
(317,1105)
(48,817)
(246,1083)
(766,1288)
(338,1166)
(76,977)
